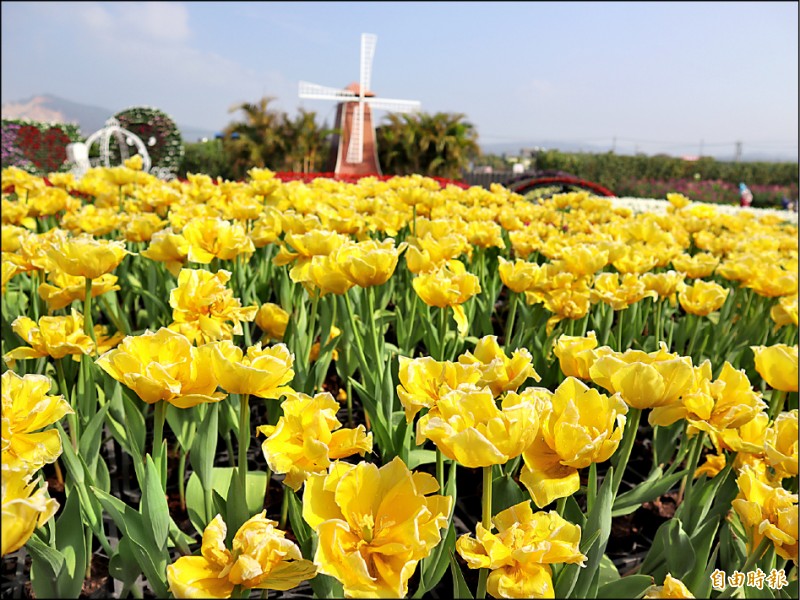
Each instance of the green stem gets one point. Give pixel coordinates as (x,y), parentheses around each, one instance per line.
(89,553)
(561,505)
(440,468)
(378,356)
(244,441)
(284,508)
(181,479)
(88,324)
(158,433)
(628,438)
(776,403)
(691,464)
(486,521)
(591,488)
(442,333)
(356,333)
(72,418)
(620,319)
(752,559)
(349,403)
(512,313)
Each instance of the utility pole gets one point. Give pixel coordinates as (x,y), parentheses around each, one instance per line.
(614,144)
(738,155)
(701,149)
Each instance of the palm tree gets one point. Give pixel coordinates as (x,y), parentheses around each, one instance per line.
(305,142)
(258,140)
(438,145)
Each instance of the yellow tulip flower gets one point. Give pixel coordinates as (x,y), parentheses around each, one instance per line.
(520,276)
(467,426)
(25,507)
(55,337)
(785,311)
(85,256)
(449,285)
(772,280)
(703,297)
(168,247)
(317,242)
(262,372)
(672,588)
(520,553)
(780,444)
(96,219)
(578,426)
(61,289)
(575,354)
(619,294)
(142,227)
(203,306)
(485,234)
(26,409)
(666,285)
(423,381)
(324,275)
(644,380)
(584,259)
(498,371)
(678,201)
(767,511)
(701,264)
(308,437)
(374,525)
(777,365)
(272,320)
(369,263)
(712,467)
(163,366)
(262,558)
(212,237)
(9,271)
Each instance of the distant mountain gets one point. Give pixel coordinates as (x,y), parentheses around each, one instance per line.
(515,148)
(47,107)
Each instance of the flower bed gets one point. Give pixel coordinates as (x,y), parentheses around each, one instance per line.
(393,387)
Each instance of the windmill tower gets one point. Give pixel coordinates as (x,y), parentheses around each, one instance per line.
(355,148)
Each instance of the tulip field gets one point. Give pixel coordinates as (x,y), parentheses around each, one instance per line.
(392,388)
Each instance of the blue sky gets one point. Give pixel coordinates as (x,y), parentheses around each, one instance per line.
(658,76)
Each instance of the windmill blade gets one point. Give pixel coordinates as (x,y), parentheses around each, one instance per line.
(368,42)
(355,150)
(322,92)
(392,105)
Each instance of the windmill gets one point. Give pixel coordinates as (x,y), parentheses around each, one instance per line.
(355,148)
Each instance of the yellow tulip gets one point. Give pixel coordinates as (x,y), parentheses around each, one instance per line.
(98,219)
(308,436)
(584,259)
(519,276)
(701,264)
(619,295)
(578,426)
(643,384)
(777,365)
(262,372)
(26,409)
(449,285)
(163,366)
(767,511)
(369,263)
(266,229)
(262,558)
(374,525)
(678,200)
(468,427)
(520,553)
(142,227)
(485,234)
(272,320)
(323,275)
(703,297)
(785,311)
(423,381)
(428,252)
(63,289)
(666,285)
(317,242)
(9,271)
(203,306)
(780,444)
(726,403)
(711,468)
(672,588)
(25,507)
(55,337)
(168,247)
(772,280)
(85,256)
(498,371)
(575,354)
(212,237)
